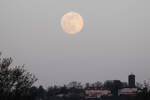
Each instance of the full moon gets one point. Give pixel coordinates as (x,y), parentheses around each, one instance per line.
(72,22)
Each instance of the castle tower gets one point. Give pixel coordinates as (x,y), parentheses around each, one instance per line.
(131,81)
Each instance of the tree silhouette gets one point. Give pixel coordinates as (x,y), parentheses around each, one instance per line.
(14,81)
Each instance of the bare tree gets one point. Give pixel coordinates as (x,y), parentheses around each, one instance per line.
(98,85)
(74,84)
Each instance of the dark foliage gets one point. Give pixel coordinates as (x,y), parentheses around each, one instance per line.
(15,82)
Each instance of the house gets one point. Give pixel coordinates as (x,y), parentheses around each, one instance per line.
(96,93)
(128,91)
(60,95)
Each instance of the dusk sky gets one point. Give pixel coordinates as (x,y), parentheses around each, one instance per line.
(114,41)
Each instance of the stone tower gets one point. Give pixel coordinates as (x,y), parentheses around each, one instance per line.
(131,81)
